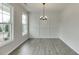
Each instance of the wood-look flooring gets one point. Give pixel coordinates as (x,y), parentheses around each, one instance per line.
(43,47)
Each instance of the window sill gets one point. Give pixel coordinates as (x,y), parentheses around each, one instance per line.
(24,34)
(5,43)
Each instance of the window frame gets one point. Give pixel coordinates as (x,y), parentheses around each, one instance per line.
(11,24)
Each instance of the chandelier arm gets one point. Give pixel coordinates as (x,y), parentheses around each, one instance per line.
(43,17)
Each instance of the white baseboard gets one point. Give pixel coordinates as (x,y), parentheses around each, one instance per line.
(69,45)
(16,46)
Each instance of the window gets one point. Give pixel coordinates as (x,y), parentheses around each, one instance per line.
(5,23)
(24,24)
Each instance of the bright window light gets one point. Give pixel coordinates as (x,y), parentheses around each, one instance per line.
(24,24)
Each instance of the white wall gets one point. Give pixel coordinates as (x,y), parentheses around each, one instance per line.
(49,29)
(18,38)
(69,31)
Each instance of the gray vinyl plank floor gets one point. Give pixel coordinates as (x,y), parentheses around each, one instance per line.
(43,46)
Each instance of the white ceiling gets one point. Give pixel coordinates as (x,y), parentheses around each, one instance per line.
(37,7)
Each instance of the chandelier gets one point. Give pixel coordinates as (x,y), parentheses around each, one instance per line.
(43,17)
